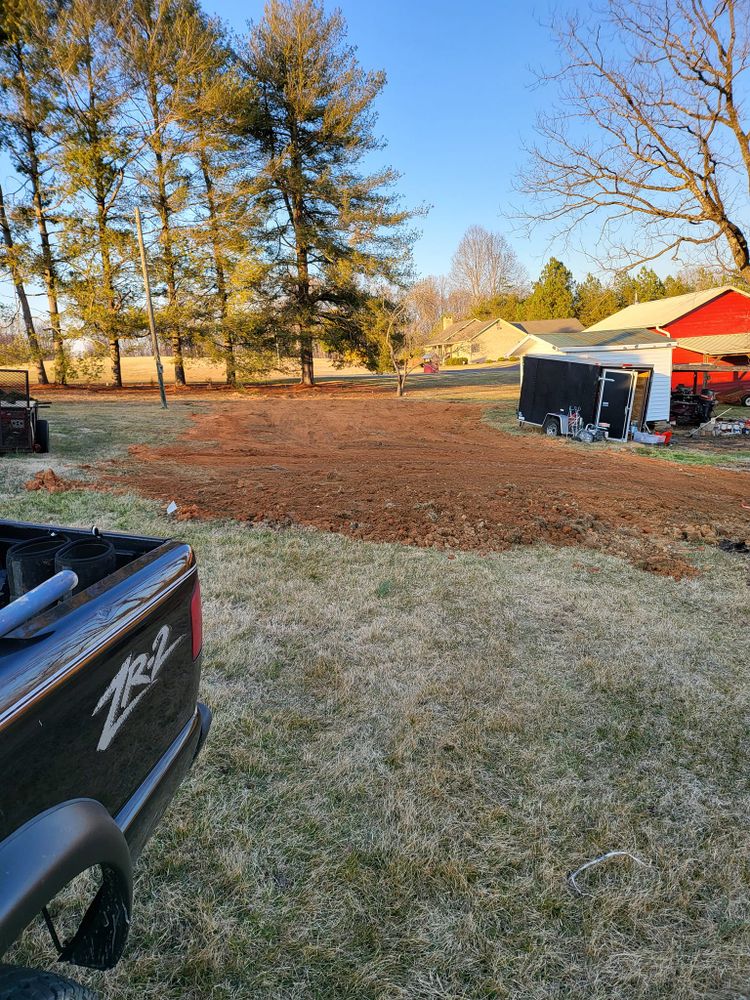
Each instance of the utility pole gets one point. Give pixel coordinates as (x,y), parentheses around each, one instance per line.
(150,310)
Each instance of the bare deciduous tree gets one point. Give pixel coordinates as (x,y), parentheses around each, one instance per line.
(430,300)
(485,265)
(651,127)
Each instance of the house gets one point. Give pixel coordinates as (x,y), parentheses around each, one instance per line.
(642,350)
(488,340)
(710,325)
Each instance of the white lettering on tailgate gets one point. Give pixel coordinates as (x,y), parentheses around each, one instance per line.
(131,682)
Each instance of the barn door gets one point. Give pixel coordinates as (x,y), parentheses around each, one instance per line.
(615,402)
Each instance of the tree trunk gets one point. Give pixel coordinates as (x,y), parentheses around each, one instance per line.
(109,290)
(49,272)
(114,357)
(307,375)
(163,207)
(739,248)
(230,362)
(28,320)
(307,372)
(221,285)
(50,283)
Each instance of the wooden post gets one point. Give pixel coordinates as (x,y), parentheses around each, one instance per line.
(150,310)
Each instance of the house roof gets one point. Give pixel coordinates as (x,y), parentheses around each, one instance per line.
(662,311)
(450,333)
(537,326)
(596,338)
(465,329)
(720,343)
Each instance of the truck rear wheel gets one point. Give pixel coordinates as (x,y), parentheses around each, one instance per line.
(31,984)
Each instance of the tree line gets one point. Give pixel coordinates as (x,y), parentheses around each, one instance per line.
(486,281)
(250,159)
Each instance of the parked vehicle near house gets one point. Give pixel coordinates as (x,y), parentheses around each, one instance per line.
(737,394)
(100,656)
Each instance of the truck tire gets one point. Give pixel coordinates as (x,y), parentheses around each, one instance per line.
(41,443)
(31,984)
(745,401)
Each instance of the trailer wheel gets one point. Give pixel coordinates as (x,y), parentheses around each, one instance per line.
(551,427)
(31,984)
(41,443)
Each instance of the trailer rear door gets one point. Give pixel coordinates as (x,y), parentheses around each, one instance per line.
(616,401)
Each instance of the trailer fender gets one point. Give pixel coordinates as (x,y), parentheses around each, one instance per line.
(48,852)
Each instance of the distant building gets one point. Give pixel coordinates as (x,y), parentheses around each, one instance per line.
(480,340)
(708,326)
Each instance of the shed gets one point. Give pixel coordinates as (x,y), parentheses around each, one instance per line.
(636,349)
(709,325)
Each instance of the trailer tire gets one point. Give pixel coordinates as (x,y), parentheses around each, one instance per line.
(551,427)
(41,443)
(31,984)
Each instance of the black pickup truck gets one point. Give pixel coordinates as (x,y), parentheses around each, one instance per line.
(100,653)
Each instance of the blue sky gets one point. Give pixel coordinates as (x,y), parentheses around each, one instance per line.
(457,108)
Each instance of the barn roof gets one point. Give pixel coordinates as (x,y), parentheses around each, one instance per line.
(662,311)
(720,343)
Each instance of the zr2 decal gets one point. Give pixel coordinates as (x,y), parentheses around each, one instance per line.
(131,682)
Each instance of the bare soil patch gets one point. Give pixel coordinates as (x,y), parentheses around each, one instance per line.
(433,475)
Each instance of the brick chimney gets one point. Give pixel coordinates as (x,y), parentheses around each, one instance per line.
(447,321)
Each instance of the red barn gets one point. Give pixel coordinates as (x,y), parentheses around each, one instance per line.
(709,326)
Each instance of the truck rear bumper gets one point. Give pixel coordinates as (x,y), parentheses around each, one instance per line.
(142,811)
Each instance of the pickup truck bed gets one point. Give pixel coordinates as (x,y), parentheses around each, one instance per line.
(99,722)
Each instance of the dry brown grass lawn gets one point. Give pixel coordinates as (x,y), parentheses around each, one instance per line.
(142,370)
(412,750)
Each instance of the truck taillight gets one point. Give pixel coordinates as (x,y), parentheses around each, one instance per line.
(196,619)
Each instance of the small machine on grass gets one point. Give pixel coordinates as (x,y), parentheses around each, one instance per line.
(690,407)
(21,428)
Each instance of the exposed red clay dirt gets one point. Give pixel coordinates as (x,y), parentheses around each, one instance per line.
(433,474)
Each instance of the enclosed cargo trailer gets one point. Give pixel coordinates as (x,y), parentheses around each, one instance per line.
(614,397)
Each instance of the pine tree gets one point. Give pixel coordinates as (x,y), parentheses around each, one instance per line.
(160,42)
(10,259)
(327,224)
(218,105)
(552,295)
(94,150)
(26,80)
(594,301)
(643,286)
